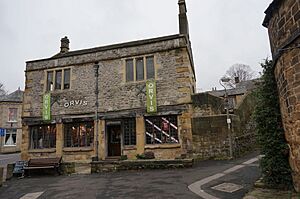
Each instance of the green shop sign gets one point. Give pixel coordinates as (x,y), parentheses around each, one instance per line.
(151,96)
(46,107)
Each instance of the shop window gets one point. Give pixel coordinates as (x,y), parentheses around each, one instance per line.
(43,136)
(79,134)
(139,69)
(129,131)
(161,129)
(55,80)
(10,137)
(12,114)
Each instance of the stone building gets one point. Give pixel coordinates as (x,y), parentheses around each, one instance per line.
(283,22)
(10,122)
(143,94)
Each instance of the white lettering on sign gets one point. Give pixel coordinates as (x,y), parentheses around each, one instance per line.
(72,103)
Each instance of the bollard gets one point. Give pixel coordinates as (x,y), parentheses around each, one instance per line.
(9,171)
(1,176)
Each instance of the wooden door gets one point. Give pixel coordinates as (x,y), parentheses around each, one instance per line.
(114,140)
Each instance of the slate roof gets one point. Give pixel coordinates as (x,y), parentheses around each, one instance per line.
(16,96)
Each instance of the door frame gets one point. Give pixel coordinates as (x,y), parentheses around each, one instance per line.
(113,123)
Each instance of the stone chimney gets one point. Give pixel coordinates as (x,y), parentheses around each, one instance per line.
(183,21)
(64,45)
(236,80)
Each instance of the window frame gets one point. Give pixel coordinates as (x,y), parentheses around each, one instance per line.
(132,142)
(76,126)
(32,142)
(12,131)
(9,119)
(158,140)
(62,82)
(134,74)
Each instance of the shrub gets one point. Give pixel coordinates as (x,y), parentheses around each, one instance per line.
(270,134)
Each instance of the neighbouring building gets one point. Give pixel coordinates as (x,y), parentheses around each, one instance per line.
(143,92)
(10,122)
(283,22)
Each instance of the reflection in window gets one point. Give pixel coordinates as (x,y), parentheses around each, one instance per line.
(79,134)
(67,79)
(161,129)
(42,136)
(10,137)
(50,81)
(139,69)
(58,75)
(129,131)
(12,114)
(150,67)
(129,70)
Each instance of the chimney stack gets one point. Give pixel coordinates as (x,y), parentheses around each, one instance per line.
(237,80)
(64,45)
(183,21)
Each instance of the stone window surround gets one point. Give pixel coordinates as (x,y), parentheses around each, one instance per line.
(62,78)
(134,68)
(16,116)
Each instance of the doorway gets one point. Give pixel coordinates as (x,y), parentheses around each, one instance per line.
(114,140)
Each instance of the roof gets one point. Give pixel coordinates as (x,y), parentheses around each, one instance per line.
(113,46)
(270,11)
(16,96)
(241,88)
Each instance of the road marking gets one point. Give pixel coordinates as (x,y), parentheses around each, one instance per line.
(196,186)
(32,195)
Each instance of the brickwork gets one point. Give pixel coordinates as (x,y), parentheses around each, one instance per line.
(283,25)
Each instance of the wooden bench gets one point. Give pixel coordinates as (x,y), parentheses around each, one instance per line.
(43,163)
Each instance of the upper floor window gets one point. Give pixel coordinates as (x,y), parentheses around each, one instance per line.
(12,114)
(139,69)
(58,79)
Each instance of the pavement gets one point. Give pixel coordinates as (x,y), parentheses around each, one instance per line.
(143,184)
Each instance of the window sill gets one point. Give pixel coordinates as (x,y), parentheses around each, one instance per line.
(77,149)
(129,147)
(9,145)
(52,150)
(162,146)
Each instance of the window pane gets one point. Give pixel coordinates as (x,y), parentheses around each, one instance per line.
(129,70)
(67,79)
(139,69)
(150,67)
(12,114)
(129,131)
(50,81)
(161,130)
(79,134)
(58,75)
(10,137)
(43,136)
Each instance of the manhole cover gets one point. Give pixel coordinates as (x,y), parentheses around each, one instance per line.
(227,187)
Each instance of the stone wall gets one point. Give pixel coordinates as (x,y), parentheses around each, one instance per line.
(174,78)
(211,134)
(206,104)
(283,25)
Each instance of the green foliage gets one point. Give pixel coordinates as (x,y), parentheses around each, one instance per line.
(270,134)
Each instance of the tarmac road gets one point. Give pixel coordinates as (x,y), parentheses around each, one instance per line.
(137,184)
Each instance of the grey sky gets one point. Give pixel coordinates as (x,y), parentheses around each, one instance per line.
(222,32)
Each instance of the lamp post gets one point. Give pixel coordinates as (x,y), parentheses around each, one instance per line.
(224,80)
(96,70)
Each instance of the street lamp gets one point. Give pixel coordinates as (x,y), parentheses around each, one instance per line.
(96,70)
(225,80)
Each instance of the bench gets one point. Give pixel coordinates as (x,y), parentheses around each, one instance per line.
(43,163)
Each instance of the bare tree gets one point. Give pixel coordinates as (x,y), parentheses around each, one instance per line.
(240,72)
(2,90)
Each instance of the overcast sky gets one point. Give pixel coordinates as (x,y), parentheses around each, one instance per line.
(222,32)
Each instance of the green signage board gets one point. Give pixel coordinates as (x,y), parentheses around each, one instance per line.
(151,96)
(46,107)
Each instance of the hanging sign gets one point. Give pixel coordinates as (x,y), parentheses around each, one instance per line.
(2,132)
(151,96)
(46,107)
